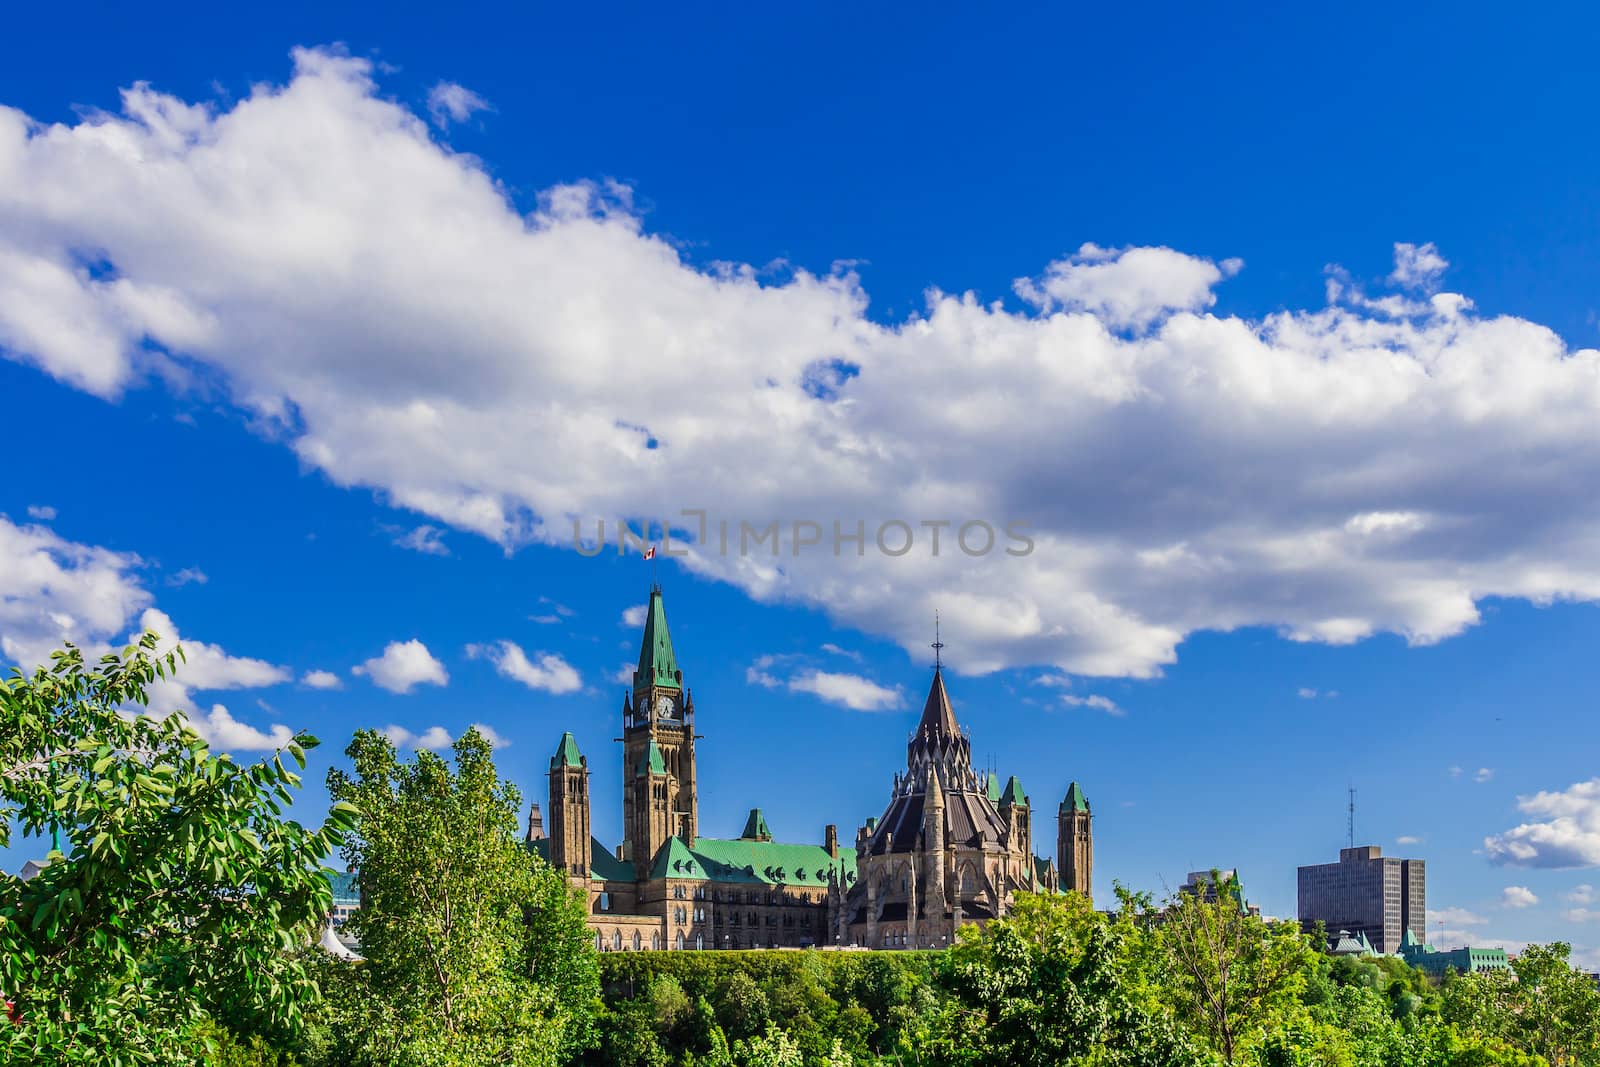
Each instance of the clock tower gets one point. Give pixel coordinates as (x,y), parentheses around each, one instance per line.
(658,779)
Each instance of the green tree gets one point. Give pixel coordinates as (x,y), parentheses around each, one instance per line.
(179,889)
(1558,1006)
(1047,985)
(476,950)
(1229,974)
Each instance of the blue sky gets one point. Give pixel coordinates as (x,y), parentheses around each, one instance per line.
(1280,336)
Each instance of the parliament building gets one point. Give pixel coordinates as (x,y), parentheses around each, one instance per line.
(951,848)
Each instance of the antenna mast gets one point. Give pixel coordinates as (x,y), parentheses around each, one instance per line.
(1350,820)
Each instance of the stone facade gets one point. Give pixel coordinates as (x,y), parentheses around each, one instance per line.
(950,849)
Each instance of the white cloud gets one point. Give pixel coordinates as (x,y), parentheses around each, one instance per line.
(1126,287)
(1582,894)
(222,730)
(321,680)
(1418,266)
(1095,701)
(833,649)
(1517,896)
(403,666)
(449,102)
(847,690)
(1565,832)
(1408,839)
(1581,915)
(1306,694)
(1329,473)
(1483,774)
(207,667)
(1457,917)
(1456,772)
(434,737)
(633,617)
(41,513)
(429,540)
(188,576)
(551,673)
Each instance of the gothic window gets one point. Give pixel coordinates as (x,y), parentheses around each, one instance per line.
(599,941)
(699,942)
(677,892)
(680,941)
(616,941)
(636,942)
(655,942)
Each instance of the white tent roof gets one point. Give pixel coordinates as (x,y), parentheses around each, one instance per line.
(333,946)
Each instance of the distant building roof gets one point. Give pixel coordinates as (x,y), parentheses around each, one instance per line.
(752,862)
(755,827)
(602,864)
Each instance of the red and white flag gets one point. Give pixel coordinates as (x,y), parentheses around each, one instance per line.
(650,553)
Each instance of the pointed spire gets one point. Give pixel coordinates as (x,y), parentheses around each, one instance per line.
(755,827)
(657,664)
(934,798)
(938,717)
(567,754)
(1012,794)
(1075,800)
(991,788)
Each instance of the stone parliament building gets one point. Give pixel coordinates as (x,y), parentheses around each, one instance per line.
(951,848)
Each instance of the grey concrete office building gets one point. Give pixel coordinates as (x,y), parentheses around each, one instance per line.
(1366,892)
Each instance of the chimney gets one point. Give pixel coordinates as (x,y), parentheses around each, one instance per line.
(830,840)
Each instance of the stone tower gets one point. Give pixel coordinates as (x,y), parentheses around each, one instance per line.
(658,800)
(1075,842)
(570,848)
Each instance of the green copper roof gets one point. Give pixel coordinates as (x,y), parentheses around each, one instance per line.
(602,864)
(1075,800)
(755,827)
(651,762)
(567,754)
(992,787)
(657,664)
(752,862)
(1012,793)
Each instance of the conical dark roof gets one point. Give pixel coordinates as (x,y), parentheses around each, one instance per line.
(938,717)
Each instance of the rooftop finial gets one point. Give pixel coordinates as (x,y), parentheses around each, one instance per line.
(938,645)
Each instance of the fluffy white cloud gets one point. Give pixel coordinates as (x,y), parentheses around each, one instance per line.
(1331,473)
(188,576)
(623,675)
(1581,915)
(1128,287)
(489,735)
(434,737)
(633,617)
(54,591)
(403,666)
(1517,896)
(1564,833)
(1095,701)
(1483,774)
(1418,266)
(551,673)
(847,690)
(449,102)
(40,512)
(1582,894)
(1408,839)
(321,680)
(222,730)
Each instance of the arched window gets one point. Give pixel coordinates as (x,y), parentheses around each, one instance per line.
(616,941)
(655,942)
(680,941)
(599,942)
(699,942)
(637,944)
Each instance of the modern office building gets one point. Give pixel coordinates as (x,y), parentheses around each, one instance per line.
(1366,893)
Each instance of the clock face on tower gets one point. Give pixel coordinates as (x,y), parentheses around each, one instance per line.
(663,707)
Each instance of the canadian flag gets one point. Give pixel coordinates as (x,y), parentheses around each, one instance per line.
(650,553)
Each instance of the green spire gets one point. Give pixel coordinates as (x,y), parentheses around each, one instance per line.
(650,761)
(657,664)
(755,827)
(567,754)
(992,788)
(1075,800)
(1012,794)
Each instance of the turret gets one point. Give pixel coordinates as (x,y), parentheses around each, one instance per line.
(570,843)
(1075,842)
(933,838)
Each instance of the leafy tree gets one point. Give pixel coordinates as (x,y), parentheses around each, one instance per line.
(180,888)
(1558,1006)
(1229,974)
(1046,986)
(476,951)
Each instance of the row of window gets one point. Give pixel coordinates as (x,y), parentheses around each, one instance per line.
(636,942)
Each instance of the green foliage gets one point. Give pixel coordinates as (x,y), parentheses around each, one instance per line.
(180,889)
(476,951)
(1544,1006)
